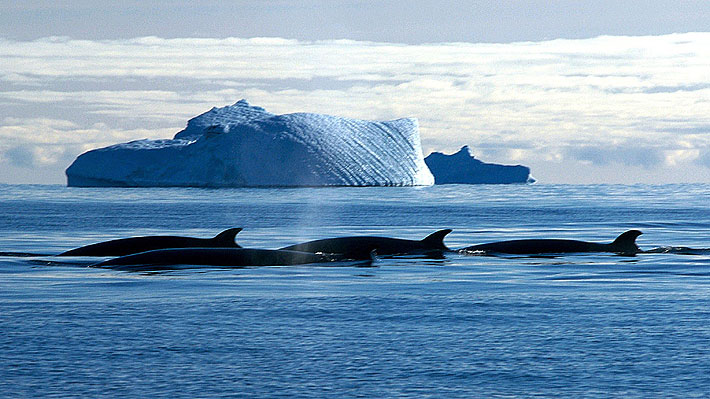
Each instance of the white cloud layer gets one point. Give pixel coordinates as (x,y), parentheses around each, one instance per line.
(592,106)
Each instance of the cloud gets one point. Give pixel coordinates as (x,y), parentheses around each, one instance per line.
(704,159)
(20,156)
(37,156)
(41,143)
(628,155)
(600,101)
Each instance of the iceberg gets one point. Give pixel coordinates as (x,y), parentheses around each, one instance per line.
(246,146)
(463,168)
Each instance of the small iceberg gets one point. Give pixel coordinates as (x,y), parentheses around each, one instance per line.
(463,168)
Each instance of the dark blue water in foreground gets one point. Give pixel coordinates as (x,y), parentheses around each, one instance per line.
(587,325)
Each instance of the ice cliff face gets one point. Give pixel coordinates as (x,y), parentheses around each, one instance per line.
(241,145)
(463,168)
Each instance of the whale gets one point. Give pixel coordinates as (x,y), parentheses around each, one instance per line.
(127,246)
(623,244)
(361,247)
(180,258)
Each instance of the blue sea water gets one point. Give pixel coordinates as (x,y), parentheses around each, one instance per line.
(582,325)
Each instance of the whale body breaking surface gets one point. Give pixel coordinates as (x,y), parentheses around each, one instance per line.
(246,146)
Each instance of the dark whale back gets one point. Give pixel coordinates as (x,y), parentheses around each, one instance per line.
(231,257)
(624,244)
(361,247)
(127,246)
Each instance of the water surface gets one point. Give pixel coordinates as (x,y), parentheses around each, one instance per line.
(583,325)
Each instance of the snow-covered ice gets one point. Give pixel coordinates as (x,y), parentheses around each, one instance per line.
(463,168)
(242,145)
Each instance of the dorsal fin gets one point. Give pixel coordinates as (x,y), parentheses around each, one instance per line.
(227,237)
(626,242)
(436,239)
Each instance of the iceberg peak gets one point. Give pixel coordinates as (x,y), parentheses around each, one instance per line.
(238,113)
(464,152)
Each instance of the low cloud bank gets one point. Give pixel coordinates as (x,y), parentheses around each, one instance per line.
(631,101)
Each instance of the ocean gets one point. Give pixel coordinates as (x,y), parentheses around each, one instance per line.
(593,325)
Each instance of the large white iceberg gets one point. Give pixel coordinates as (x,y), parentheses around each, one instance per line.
(242,145)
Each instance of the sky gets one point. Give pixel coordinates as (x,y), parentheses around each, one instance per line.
(580,91)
